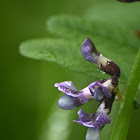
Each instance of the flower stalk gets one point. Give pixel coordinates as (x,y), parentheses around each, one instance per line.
(124,116)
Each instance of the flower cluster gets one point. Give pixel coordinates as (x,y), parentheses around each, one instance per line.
(102,91)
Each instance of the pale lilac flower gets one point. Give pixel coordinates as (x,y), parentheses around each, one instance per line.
(93,133)
(73,98)
(101,91)
(94,120)
(90,53)
(97,120)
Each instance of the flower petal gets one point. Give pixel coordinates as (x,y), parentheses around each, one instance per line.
(93,134)
(67,84)
(68,103)
(92,120)
(97,87)
(89,51)
(102,119)
(68,88)
(85,95)
(98,94)
(83,117)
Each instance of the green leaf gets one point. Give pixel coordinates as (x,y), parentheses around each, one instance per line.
(120,39)
(116,43)
(114,12)
(77,27)
(67,53)
(124,116)
(58,122)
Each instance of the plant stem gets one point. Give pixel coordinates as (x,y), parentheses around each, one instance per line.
(124,116)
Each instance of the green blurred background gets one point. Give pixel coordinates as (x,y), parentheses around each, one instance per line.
(28,98)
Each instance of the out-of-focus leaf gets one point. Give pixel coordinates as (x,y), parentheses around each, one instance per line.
(67,53)
(58,122)
(114,12)
(76,27)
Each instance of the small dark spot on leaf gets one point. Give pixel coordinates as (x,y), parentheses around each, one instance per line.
(138,34)
(136,105)
(128,0)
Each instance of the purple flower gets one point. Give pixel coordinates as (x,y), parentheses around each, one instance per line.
(100,117)
(97,120)
(90,53)
(102,91)
(97,90)
(73,98)
(67,102)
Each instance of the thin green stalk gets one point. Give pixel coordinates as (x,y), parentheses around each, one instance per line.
(124,116)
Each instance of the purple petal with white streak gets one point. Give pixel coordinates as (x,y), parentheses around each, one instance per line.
(89,51)
(93,86)
(67,84)
(68,88)
(92,120)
